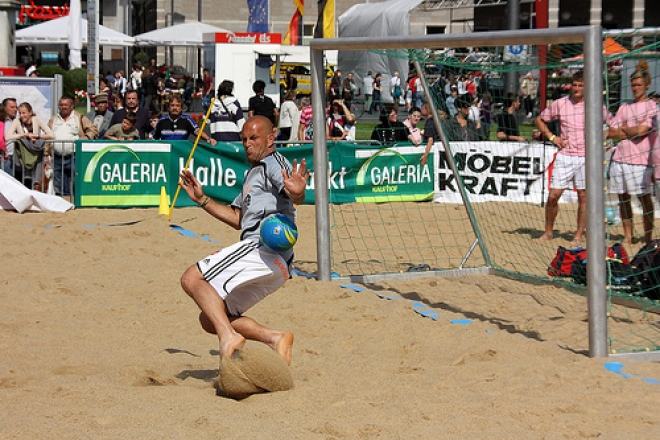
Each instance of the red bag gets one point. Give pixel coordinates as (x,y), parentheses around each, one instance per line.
(563,262)
(618,253)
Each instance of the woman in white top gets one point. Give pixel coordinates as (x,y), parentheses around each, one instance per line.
(288,114)
(29,126)
(31,131)
(136,78)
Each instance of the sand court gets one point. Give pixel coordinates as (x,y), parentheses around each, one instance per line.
(99,341)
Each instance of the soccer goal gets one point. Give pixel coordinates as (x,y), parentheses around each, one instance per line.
(486,204)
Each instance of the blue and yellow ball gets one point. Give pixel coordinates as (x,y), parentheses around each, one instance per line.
(278,232)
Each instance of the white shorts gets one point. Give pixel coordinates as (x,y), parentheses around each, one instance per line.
(568,172)
(243,274)
(630,179)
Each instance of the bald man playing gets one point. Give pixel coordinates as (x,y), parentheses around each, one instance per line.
(226,284)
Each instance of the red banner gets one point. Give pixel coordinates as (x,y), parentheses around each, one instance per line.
(248,38)
(42,13)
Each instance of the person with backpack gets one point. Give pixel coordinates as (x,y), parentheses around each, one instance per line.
(415,86)
(262,105)
(226,119)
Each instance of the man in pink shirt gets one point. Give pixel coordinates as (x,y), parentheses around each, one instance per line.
(569,167)
(635,126)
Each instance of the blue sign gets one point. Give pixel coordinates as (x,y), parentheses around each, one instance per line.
(516,49)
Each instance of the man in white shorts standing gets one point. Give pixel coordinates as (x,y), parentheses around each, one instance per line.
(569,169)
(635,126)
(227,283)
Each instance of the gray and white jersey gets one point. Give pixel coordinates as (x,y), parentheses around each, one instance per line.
(263,194)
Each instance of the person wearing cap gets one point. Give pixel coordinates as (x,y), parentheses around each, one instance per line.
(101,116)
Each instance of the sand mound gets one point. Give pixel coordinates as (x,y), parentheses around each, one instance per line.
(253,369)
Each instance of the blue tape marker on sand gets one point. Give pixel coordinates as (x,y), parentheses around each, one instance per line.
(183,231)
(418,307)
(617,367)
(388,297)
(301,273)
(461,321)
(209,239)
(352,287)
(423,310)
(186,233)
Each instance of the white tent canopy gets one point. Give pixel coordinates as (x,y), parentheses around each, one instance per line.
(190,33)
(55,32)
(386,19)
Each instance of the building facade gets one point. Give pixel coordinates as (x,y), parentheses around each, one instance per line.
(134,17)
(440,16)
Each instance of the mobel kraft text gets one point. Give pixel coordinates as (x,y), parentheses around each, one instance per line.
(495,175)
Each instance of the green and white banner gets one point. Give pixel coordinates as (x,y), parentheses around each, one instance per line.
(115,174)
(128,174)
(371,175)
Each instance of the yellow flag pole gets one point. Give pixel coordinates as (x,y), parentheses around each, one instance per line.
(192,151)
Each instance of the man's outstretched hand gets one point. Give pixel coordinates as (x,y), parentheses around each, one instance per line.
(191,186)
(294,184)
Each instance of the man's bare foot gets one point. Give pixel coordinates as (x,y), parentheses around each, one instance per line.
(545,237)
(229,345)
(577,242)
(283,344)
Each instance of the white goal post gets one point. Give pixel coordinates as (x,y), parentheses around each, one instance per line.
(591,37)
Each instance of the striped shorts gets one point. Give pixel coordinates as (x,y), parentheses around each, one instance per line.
(243,274)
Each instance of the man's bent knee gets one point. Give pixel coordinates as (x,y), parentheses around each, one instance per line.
(206,323)
(190,277)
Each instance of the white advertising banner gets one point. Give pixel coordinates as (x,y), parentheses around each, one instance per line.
(496,172)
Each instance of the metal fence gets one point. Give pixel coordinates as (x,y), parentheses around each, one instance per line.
(43,171)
